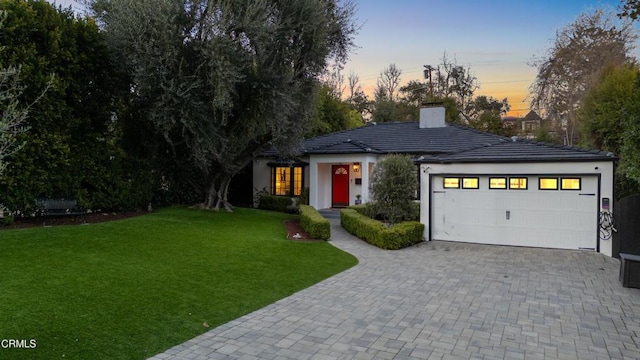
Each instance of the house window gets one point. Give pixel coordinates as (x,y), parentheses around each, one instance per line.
(451,183)
(497,183)
(286,181)
(518,183)
(548,183)
(470,183)
(570,184)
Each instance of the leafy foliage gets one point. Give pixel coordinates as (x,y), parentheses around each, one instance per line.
(604,108)
(73,147)
(332,114)
(393,186)
(629,170)
(580,52)
(275,203)
(219,80)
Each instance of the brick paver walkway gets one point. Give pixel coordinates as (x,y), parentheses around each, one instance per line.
(442,300)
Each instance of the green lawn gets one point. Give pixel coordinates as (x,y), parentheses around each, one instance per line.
(129,289)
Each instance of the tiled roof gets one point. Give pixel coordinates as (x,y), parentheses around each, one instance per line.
(400,137)
(451,143)
(524,151)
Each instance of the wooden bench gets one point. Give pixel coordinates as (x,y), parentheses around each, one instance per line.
(58,207)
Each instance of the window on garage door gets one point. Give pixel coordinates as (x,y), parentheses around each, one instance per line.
(548,183)
(518,183)
(451,183)
(471,183)
(570,184)
(497,183)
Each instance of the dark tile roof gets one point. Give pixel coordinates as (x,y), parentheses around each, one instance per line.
(399,137)
(452,143)
(523,150)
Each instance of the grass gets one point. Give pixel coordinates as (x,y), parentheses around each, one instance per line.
(129,289)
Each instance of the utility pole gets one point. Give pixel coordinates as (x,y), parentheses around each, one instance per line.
(427,75)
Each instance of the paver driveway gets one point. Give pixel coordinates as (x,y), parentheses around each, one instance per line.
(442,300)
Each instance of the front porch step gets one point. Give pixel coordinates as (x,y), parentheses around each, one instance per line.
(330,213)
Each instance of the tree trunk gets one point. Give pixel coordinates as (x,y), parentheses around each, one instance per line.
(216,195)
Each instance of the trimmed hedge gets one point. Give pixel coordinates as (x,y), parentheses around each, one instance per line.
(275,203)
(369,209)
(395,237)
(314,223)
(360,208)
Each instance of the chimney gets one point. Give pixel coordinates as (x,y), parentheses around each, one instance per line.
(432,115)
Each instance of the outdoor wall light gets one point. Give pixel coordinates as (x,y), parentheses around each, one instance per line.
(356,167)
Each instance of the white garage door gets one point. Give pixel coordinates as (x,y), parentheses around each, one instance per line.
(486,210)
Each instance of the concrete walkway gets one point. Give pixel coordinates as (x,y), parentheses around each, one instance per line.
(442,300)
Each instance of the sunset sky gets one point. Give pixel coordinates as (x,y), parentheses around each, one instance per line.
(498,39)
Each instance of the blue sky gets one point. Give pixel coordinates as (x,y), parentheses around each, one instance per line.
(498,39)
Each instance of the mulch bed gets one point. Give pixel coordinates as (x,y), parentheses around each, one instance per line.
(21,223)
(293,227)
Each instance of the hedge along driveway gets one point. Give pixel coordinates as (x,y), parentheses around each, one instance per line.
(132,288)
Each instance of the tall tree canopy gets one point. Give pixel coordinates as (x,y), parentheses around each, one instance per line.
(581,50)
(71,148)
(609,121)
(221,79)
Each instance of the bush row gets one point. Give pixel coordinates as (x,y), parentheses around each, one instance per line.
(276,203)
(371,210)
(395,237)
(314,223)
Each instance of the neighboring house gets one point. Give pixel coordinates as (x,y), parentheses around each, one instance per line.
(474,186)
(526,126)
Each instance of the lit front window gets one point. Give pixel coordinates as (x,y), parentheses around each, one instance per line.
(286,181)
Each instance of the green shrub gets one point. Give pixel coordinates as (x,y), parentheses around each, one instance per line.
(314,223)
(393,187)
(7,219)
(395,237)
(304,196)
(275,203)
(360,208)
(371,210)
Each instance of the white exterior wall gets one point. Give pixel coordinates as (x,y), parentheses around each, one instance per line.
(604,169)
(261,176)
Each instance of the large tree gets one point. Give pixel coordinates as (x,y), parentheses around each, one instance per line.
(72,147)
(581,50)
(13,115)
(222,79)
(452,80)
(605,106)
(610,121)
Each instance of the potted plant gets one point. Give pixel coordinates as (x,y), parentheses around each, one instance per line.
(358,199)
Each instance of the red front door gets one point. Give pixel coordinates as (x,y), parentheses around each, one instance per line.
(340,186)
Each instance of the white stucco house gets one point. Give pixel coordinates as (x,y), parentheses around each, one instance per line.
(474,186)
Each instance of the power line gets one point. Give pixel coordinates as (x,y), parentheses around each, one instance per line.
(470,65)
